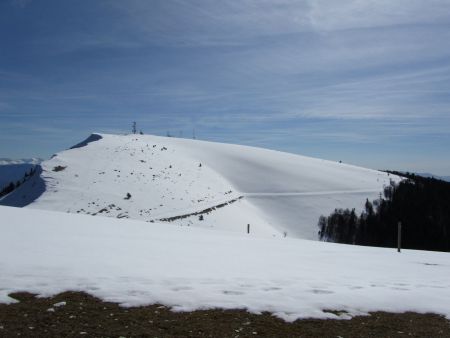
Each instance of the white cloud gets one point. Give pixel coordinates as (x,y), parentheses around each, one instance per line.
(200,22)
(350,14)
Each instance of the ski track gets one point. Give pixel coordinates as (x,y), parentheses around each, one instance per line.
(308,193)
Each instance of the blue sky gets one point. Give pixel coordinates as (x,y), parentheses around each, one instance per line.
(365,82)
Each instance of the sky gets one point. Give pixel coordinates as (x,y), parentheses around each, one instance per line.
(366,82)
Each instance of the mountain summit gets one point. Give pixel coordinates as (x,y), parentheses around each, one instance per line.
(197,183)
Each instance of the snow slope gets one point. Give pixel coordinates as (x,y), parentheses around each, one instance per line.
(190,182)
(13,172)
(188,268)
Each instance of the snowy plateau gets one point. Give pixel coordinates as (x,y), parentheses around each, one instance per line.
(170,227)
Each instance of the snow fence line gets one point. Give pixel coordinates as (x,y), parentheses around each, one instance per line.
(196,213)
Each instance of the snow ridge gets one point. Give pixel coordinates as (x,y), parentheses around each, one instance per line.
(154,178)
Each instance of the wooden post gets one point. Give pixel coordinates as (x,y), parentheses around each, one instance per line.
(248,228)
(399,237)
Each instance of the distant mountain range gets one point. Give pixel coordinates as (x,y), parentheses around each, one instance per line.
(8,161)
(444,178)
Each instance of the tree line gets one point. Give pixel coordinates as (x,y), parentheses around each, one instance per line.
(421,204)
(14,185)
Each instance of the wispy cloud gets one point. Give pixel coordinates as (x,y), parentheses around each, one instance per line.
(353,14)
(206,22)
(259,72)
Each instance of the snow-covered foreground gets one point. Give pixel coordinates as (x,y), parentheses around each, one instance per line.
(188,268)
(165,178)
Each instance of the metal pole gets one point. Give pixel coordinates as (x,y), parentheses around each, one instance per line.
(248,228)
(399,237)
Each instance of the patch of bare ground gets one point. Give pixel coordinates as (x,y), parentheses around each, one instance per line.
(75,314)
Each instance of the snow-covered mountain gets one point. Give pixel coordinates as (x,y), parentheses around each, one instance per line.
(198,183)
(206,185)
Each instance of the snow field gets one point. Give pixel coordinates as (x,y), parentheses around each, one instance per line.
(187,268)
